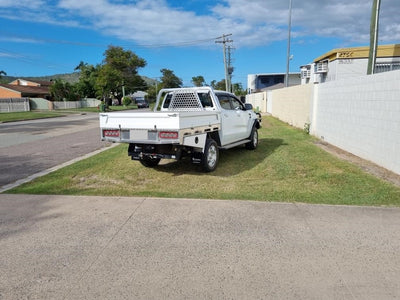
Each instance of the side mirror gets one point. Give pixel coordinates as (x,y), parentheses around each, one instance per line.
(248,106)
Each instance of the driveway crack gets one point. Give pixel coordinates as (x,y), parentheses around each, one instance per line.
(86,271)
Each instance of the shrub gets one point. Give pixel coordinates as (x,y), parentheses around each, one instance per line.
(126,101)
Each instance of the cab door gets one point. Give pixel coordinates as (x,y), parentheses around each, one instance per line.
(235,119)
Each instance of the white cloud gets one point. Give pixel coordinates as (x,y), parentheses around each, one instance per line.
(31,4)
(251,22)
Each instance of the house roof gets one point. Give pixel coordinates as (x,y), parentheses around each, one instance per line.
(360,52)
(32,83)
(27,90)
(43,83)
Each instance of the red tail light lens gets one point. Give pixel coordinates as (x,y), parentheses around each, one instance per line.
(168,135)
(111,133)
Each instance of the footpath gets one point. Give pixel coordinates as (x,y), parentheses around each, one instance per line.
(77,247)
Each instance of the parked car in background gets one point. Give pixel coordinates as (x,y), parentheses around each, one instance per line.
(141,103)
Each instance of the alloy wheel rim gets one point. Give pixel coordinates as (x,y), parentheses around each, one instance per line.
(212,156)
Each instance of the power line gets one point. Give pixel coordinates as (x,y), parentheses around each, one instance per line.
(33,39)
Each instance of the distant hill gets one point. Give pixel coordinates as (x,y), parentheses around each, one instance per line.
(70,77)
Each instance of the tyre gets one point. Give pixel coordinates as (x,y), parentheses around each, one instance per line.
(149,162)
(210,156)
(253,139)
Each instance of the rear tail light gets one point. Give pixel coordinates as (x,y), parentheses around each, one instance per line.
(168,135)
(111,133)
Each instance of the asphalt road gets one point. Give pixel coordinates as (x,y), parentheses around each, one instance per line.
(64,247)
(30,147)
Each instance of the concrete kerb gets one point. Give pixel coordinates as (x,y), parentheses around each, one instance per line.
(52,169)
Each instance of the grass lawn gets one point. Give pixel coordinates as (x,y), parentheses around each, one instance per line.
(287,166)
(28,115)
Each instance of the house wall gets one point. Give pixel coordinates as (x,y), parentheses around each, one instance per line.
(346,68)
(343,68)
(7,93)
(262,81)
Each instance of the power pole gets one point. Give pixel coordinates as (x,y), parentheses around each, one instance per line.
(288,44)
(226,63)
(373,44)
(230,68)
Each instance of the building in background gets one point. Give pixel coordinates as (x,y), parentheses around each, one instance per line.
(21,88)
(260,82)
(349,62)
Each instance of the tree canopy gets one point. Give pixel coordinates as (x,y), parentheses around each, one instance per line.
(169,79)
(117,73)
(198,81)
(86,87)
(63,91)
(120,69)
(220,85)
(2,73)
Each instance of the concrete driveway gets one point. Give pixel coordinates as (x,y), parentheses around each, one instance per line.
(64,247)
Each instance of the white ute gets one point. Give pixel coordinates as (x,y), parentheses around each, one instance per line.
(194,122)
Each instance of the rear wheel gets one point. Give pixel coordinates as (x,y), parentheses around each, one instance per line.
(150,162)
(253,139)
(210,156)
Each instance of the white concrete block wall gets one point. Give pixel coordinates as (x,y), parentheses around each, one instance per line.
(361,115)
(258,100)
(269,102)
(292,105)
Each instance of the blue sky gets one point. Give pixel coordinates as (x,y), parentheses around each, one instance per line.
(40,37)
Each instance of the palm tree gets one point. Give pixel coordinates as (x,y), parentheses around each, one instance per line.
(2,73)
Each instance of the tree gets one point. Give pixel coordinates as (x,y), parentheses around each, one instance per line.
(198,81)
(238,90)
(169,79)
(120,71)
(220,85)
(63,91)
(153,90)
(2,73)
(86,87)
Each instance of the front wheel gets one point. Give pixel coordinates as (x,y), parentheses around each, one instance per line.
(149,162)
(253,139)
(210,156)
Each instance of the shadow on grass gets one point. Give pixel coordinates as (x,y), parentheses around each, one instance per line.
(231,162)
